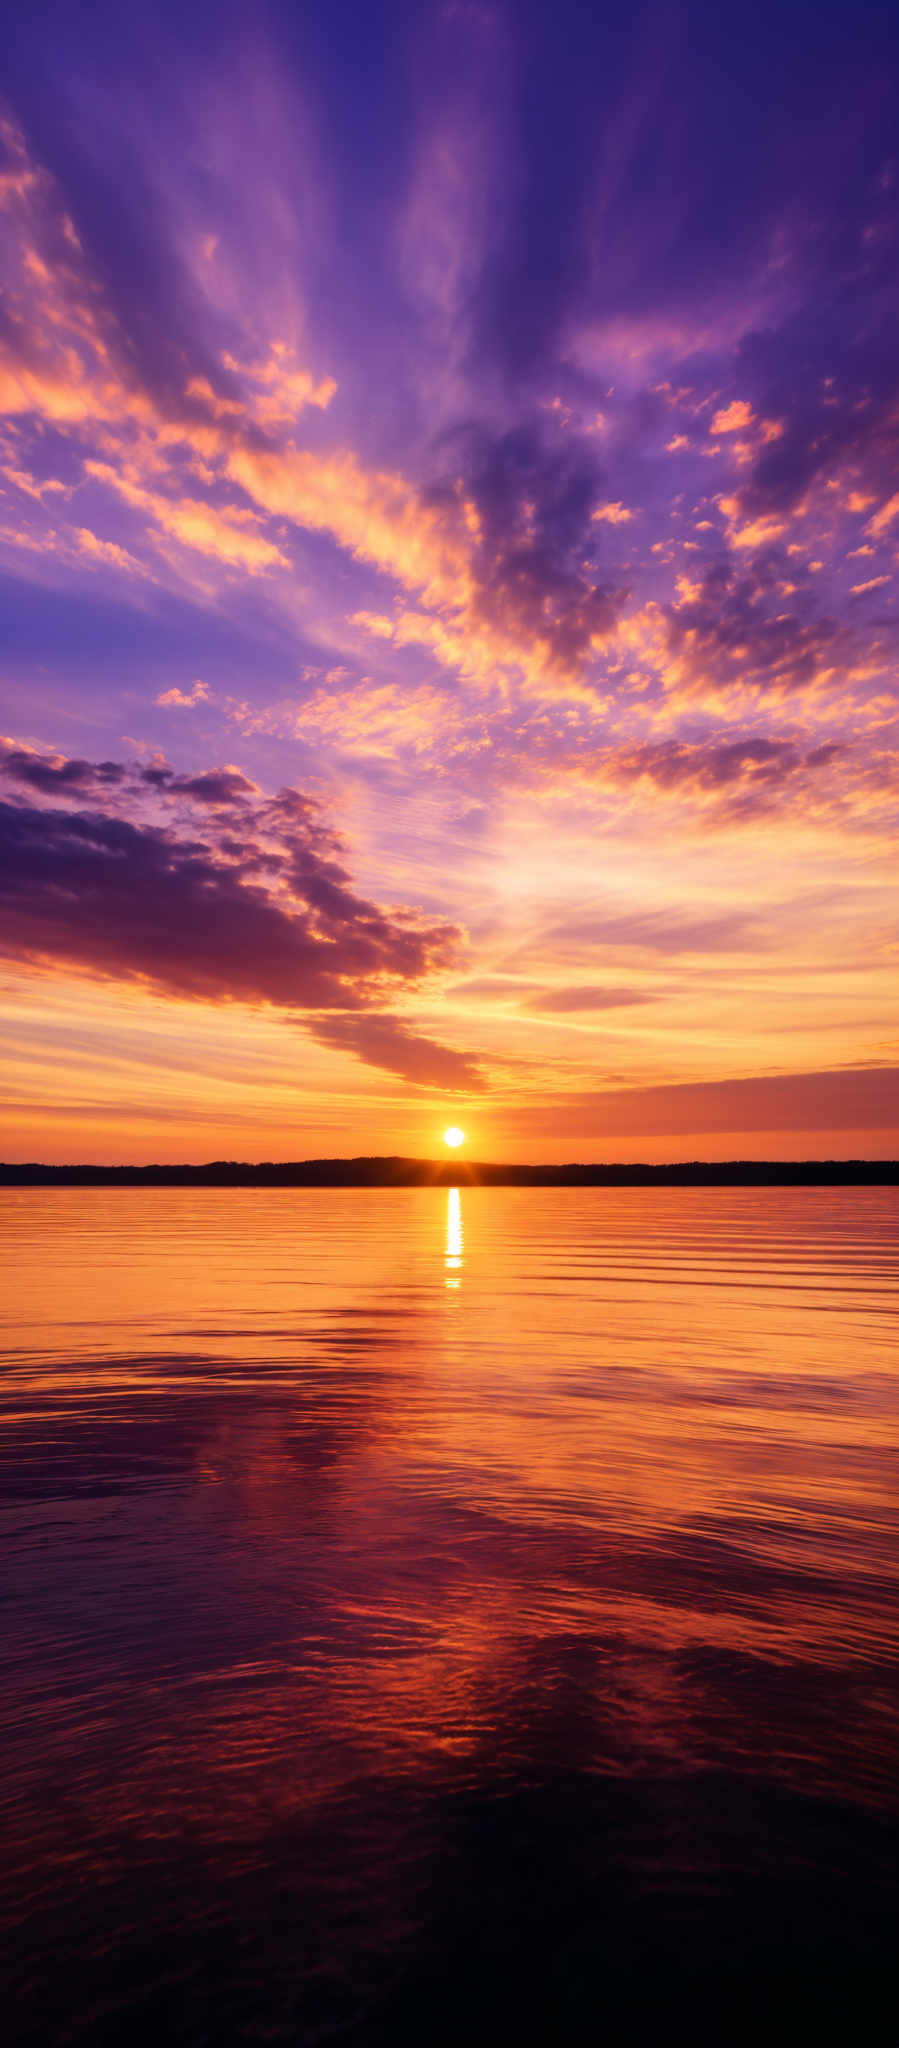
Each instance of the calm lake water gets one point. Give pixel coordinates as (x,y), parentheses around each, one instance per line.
(449,1617)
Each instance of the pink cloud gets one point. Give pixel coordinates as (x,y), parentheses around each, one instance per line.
(176,699)
(612,515)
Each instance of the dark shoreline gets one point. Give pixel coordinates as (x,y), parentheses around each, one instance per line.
(399,1172)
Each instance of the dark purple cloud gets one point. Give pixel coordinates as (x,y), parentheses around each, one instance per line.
(535,556)
(52,774)
(831,382)
(216,786)
(388,1042)
(738,630)
(744,776)
(130,900)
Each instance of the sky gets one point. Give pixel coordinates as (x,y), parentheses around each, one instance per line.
(449,533)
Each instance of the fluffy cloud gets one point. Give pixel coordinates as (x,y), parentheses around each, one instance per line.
(260,910)
(184,700)
(733,418)
(56,774)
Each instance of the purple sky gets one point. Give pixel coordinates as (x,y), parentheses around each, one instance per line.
(449,516)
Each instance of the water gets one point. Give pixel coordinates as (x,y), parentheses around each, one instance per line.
(440,1618)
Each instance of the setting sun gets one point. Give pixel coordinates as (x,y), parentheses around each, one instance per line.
(454,1136)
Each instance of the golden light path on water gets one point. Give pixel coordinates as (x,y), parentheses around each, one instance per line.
(453,1232)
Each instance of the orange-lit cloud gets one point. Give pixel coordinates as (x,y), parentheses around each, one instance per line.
(733,418)
(182,700)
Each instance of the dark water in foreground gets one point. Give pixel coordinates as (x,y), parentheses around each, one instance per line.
(437,1621)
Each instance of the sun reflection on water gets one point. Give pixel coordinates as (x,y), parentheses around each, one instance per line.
(453,1234)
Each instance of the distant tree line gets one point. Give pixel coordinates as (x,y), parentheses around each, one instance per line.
(405,1173)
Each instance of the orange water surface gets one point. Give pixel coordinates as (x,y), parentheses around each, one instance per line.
(448,1615)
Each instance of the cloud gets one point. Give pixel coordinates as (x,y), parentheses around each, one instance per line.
(844,1099)
(386,1041)
(560,1001)
(266,916)
(745,775)
(884,518)
(375,623)
(175,699)
(107,553)
(612,515)
(733,418)
(55,774)
(280,387)
(731,632)
(507,987)
(831,393)
(219,786)
(498,552)
(492,528)
(873,583)
(229,533)
(669,932)
(533,568)
(29,485)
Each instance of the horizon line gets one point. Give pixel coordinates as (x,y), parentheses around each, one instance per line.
(397,1169)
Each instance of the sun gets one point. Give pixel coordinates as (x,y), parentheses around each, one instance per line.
(454,1136)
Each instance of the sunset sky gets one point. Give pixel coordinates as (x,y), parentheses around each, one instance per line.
(449,538)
